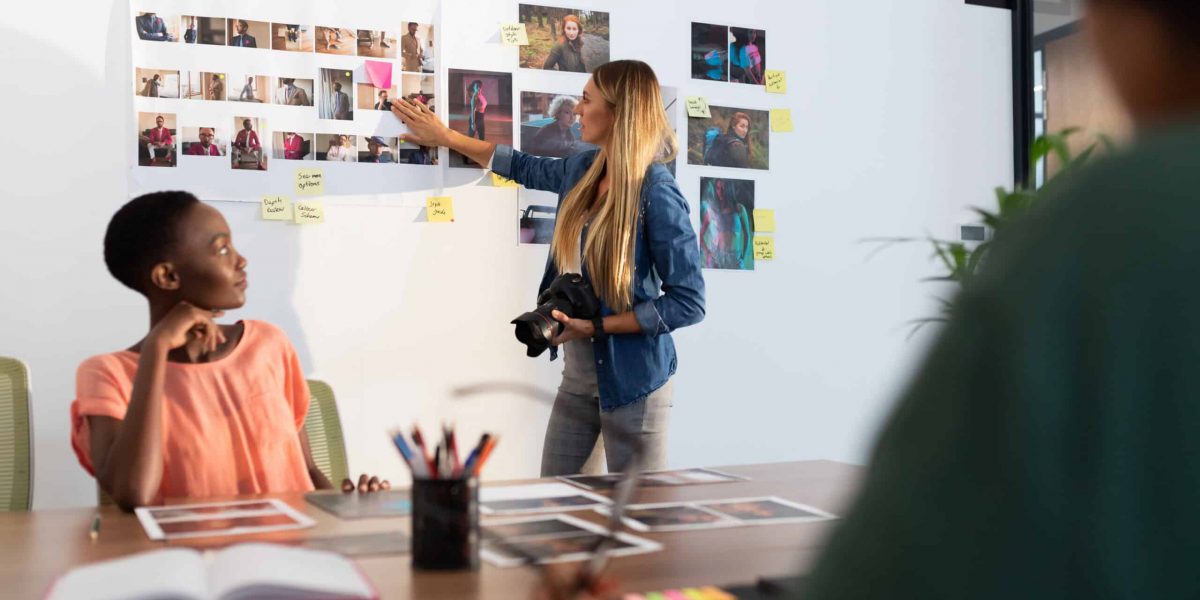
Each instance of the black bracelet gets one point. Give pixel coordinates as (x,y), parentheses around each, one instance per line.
(598,326)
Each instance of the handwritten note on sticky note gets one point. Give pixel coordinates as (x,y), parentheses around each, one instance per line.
(513,34)
(776,81)
(310,182)
(499,181)
(276,208)
(697,107)
(764,219)
(439,209)
(764,248)
(781,120)
(380,74)
(309,212)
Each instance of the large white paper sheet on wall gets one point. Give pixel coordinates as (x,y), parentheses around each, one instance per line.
(182,94)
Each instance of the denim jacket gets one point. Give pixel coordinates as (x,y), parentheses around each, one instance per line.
(668,287)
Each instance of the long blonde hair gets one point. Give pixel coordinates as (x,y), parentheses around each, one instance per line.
(641,136)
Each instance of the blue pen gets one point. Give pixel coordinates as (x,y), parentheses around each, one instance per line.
(474,455)
(405,451)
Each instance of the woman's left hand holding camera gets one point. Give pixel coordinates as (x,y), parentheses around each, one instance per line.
(572,329)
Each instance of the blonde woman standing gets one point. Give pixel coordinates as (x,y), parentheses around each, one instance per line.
(625,226)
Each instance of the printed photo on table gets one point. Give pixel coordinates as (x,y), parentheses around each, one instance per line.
(157,83)
(376,149)
(203,30)
(408,153)
(335,40)
(249,88)
(710,52)
(674,517)
(156,139)
(727,223)
(732,137)
(564,39)
(747,55)
(377,44)
(204,141)
(373,98)
(153,27)
(767,510)
(290,91)
(290,145)
(419,88)
(292,37)
(336,147)
(246,151)
(549,125)
(336,99)
(556,525)
(244,33)
(416,48)
(480,107)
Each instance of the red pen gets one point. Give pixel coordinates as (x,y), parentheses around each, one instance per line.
(452,447)
(419,440)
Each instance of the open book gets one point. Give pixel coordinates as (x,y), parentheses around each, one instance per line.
(244,571)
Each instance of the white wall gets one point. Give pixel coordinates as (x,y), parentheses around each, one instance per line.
(903,114)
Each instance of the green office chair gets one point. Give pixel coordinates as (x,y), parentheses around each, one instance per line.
(16,450)
(324,430)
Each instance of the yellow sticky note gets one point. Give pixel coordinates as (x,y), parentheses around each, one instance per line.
(764,219)
(276,208)
(440,209)
(764,248)
(776,81)
(781,120)
(309,212)
(499,181)
(310,182)
(513,34)
(697,107)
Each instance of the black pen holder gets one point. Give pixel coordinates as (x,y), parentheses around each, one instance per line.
(445,523)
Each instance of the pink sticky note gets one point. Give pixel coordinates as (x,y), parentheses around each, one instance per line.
(380,74)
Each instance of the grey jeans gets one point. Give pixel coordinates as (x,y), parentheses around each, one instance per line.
(578,429)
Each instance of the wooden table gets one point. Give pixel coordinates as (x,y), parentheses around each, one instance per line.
(37,547)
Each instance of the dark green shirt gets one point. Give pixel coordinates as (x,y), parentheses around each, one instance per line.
(1050,445)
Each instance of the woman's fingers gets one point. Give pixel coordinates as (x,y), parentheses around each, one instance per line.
(373,484)
(561,317)
(385,485)
(347,486)
(362,483)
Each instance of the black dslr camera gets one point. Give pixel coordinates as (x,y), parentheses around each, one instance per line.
(568,294)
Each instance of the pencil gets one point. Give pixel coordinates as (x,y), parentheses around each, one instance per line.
(94,533)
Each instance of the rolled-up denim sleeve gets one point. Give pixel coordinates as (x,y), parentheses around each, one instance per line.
(676,254)
(533,172)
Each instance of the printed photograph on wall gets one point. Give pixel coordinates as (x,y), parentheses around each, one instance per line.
(336,147)
(732,137)
(246,151)
(291,37)
(157,83)
(291,145)
(153,27)
(337,91)
(419,88)
(747,55)
(416,48)
(710,52)
(290,91)
(204,141)
(564,39)
(244,33)
(156,139)
(212,86)
(373,98)
(480,107)
(549,125)
(535,218)
(376,149)
(336,40)
(191,85)
(203,30)
(408,153)
(374,43)
(249,88)
(727,223)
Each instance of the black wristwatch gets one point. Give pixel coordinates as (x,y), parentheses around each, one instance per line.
(599,334)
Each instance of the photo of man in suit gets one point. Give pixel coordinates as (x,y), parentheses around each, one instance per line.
(152,28)
(243,39)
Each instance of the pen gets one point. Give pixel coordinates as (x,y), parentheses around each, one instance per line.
(419,440)
(452,447)
(485,453)
(418,467)
(473,457)
(94,533)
